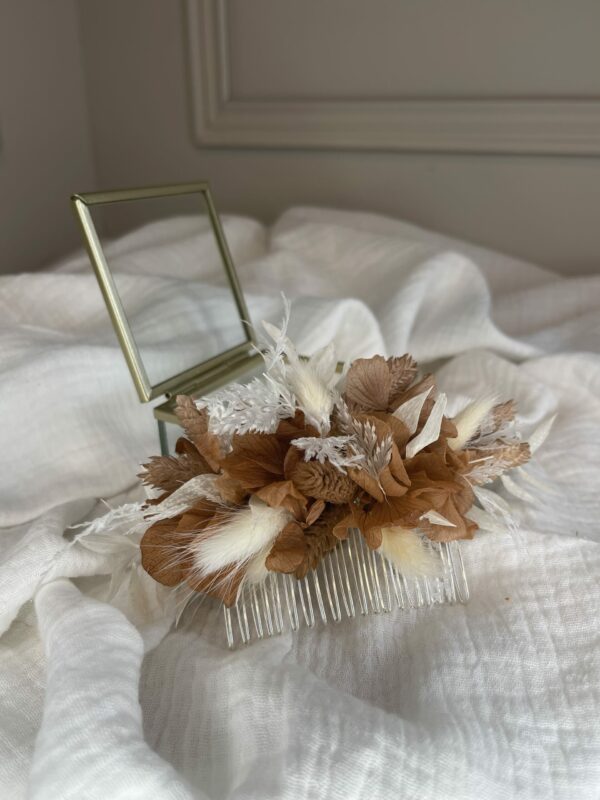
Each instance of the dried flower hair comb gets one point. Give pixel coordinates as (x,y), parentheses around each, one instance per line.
(294,498)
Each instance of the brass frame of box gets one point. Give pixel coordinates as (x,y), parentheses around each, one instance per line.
(203,377)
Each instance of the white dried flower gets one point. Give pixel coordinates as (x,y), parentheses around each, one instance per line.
(256,407)
(338,450)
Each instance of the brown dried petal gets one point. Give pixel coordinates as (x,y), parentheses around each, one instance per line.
(211,447)
(315,512)
(397,468)
(367,482)
(231,490)
(368,384)
(256,459)
(289,550)
(389,484)
(295,428)
(427,382)
(202,515)
(293,457)
(163,552)
(324,482)
(463,528)
(340,529)
(283,494)
(396,511)
(398,430)
(320,538)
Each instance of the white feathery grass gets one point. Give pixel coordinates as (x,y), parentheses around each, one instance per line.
(255,407)
(431,429)
(469,420)
(121,520)
(540,434)
(491,502)
(409,553)
(312,391)
(274,354)
(310,381)
(337,450)
(238,538)
(496,506)
(409,412)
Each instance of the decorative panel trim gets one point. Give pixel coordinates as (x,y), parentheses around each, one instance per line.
(532,126)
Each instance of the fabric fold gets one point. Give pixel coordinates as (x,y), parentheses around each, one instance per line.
(90,743)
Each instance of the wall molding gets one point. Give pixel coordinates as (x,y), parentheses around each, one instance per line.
(569,127)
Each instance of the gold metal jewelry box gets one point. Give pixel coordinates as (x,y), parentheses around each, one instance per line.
(220,368)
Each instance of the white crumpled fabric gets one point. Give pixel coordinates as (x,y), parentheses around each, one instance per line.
(495,699)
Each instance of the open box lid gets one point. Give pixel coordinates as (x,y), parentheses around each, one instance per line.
(170,287)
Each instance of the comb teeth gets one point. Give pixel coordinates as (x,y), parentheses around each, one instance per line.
(350,580)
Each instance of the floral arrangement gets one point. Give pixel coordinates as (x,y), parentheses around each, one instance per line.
(272,475)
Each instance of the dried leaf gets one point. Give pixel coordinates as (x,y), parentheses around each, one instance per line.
(485,465)
(195,423)
(163,553)
(368,384)
(289,550)
(193,420)
(283,494)
(503,413)
(402,371)
(170,472)
(324,482)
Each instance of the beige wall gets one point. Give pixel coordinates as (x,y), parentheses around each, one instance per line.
(522,177)
(45,146)
(544,208)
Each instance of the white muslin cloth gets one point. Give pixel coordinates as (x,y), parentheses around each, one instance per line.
(495,699)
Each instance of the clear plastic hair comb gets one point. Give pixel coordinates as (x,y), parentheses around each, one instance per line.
(350,580)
